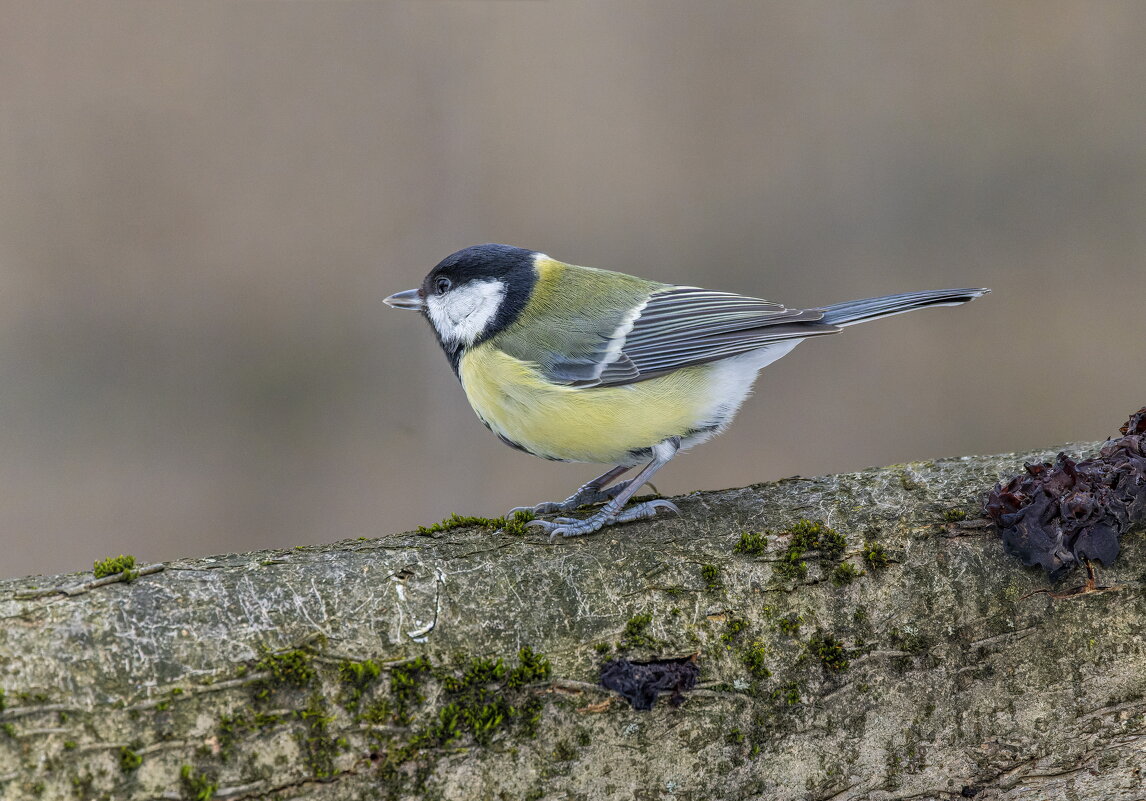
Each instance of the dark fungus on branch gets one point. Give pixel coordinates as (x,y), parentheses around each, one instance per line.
(640,683)
(1057,515)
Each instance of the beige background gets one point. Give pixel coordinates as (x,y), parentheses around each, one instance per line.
(203,203)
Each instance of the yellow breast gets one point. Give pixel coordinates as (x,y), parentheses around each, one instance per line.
(595,424)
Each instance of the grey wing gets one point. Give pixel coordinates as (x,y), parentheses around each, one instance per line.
(682,326)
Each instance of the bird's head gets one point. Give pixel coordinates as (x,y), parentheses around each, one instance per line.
(472,294)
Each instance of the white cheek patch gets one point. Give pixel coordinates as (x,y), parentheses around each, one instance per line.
(460,315)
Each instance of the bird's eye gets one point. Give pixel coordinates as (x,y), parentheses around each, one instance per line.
(442,285)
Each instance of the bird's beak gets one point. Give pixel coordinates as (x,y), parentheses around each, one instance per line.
(410,299)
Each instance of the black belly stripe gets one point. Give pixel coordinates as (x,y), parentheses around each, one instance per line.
(518,447)
(702,430)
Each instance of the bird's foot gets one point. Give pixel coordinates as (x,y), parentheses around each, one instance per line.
(571,527)
(586,496)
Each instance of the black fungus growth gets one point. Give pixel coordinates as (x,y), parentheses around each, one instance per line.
(1057,515)
(640,683)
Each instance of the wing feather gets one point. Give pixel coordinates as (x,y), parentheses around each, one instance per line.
(594,328)
(682,326)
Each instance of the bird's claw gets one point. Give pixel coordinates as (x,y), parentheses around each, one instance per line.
(648,509)
(586,496)
(544,508)
(571,527)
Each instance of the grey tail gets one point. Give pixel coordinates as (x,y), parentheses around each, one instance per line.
(860,311)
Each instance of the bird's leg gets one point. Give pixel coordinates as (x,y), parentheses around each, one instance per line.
(591,492)
(614,511)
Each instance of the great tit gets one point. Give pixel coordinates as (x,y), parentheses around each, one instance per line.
(577,364)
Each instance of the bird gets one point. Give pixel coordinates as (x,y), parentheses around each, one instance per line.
(579,364)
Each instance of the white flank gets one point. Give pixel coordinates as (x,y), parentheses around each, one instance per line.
(731,383)
(460,315)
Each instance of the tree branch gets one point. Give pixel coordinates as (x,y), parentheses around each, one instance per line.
(910,659)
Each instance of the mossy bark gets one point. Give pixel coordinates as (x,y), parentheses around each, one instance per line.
(935,666)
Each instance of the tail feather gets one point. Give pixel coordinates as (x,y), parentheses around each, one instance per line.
(860,311)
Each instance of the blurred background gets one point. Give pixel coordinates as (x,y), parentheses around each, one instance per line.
(203,204)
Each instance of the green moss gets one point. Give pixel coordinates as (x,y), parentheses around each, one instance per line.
(82,785)
(356,678)
(129,760)
(815,536)
(875,556)
(479,670)
(710,574)
(753,543)
(287,669)
(485,719)
(480,700)
(114,565)
(70,745)
(3,701)
(954,515)
(531,668)
(229,729)
(792,565)
(405,681)
(909,483)
(787,694)
(513,524)
(9,729)
(790,624)
(845,573)
(733,627)
(196,786)
(475,701)
(376,712)
(803,537)
(530,717)
(455,521)
(445,729)
(318,747)
(753,658)
(829,651)
(636,634)
(602,648)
